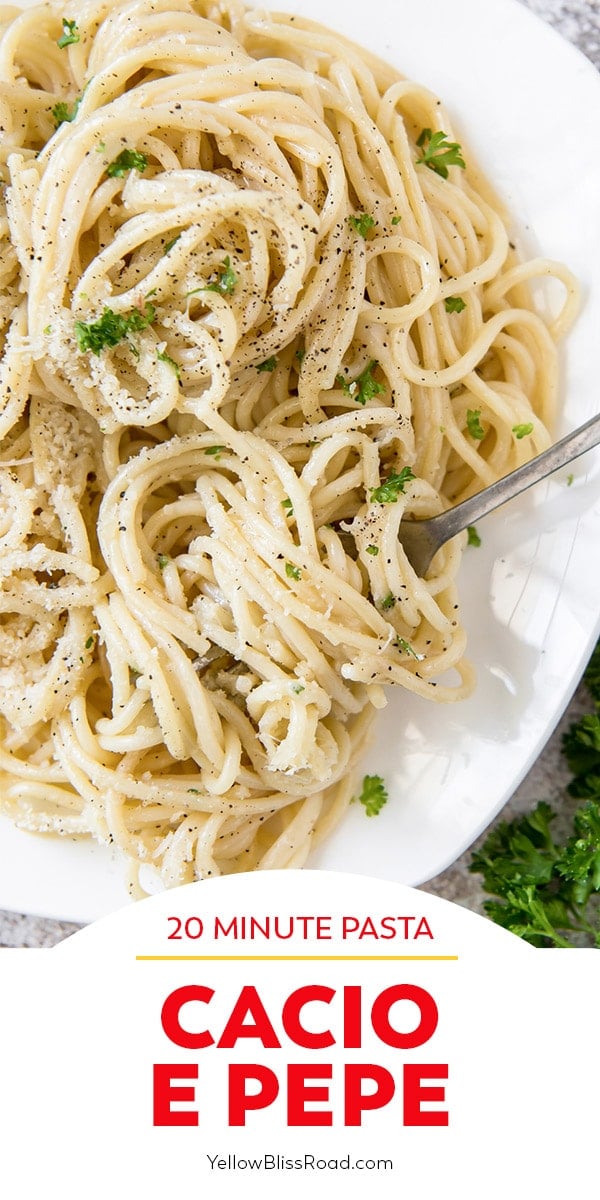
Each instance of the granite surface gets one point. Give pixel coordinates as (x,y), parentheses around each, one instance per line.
(579,22)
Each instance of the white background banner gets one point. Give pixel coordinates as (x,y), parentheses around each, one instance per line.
(231,1035)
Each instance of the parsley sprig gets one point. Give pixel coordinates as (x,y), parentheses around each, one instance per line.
(521,431)
(392,487)
(373,795)
(61,111)
(111,328)
(362,224)
(544,890)
(70,34)
(127,160)
(364,387)
(474,425)
(454,304)
(225,281)
(438,153)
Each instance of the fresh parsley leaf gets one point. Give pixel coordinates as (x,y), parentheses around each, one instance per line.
(226,279)
(373,795)
(61,111)
(545,891)
(215,450)
(374,550)
(70,34)
(580,859)
(163,561)
(90,642)
(362,224)
(291,571)
(438,153)
(396,220)
(388,601)
(474,425)
(581,746)
(111,328)
(592,675)
(473,538)
(127,160)
(169,245)
(268,365)
(364,387)
(454,304)
(288,505)
(521,431)
(391,488)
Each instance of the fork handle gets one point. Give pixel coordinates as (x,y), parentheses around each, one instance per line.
(468,511)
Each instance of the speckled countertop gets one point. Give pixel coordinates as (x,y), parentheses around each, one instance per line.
(579,22)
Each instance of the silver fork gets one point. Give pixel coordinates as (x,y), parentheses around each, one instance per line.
(422,539)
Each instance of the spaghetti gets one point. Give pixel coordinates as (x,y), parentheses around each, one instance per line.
(253,295)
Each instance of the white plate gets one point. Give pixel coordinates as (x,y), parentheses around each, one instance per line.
(528,104)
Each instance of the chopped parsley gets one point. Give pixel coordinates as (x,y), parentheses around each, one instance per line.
(61,111)
(291,571)
(406,648)
(90,642)
(473,538)
(362,224)
(544,890)
(163,561)
(388,601)
(297,688)
(364,387)
(474,425)
(438,153)
(454,304)
(127,160)
(374,550)
(111,328)
(215,450)
(162,356)
(268,365)
(288,505)
(225,282)
(390,489)
(521,431)
(373,795)
(570,479)
(300,354)
(70,34)
(396,220)
(169,245)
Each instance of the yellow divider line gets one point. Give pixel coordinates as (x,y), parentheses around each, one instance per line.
(296,957)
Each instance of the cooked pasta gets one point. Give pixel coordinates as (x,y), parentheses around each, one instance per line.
(255,296)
